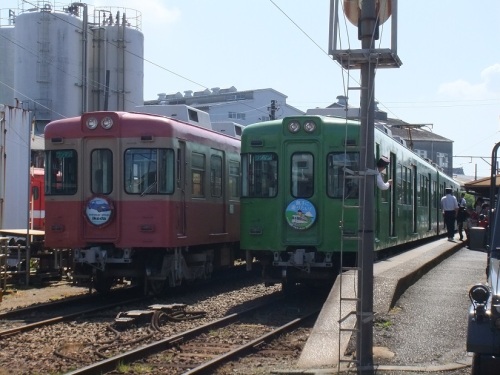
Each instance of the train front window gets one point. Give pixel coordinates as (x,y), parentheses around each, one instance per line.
(302,174)
(101,171)
(61,169)
(341,173)
(259,175)
(149,171)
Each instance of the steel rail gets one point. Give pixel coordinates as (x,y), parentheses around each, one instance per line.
(111,363)
(57,319)
(248,346)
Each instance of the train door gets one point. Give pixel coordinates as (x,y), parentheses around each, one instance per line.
(430,203)
(415,198)
(99,189)
(393,196)
(37,204)
(301,194)
(181,186)
(217,192)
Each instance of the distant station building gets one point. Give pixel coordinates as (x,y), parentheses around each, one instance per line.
(434,147)
(229,106)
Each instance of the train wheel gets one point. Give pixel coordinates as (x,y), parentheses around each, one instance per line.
(102,283)
(158,287)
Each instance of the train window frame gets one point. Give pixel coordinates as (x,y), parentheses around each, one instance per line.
(149,171)
(61,172)
(234,179)
(302,174)
(198,174)
(259,175)
(101,171)
(339,171)
(216,176)
(35,193)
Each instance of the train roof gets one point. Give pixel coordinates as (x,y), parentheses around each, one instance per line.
(268,128)
(135,124)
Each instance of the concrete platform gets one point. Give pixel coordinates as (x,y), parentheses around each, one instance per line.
(391,278)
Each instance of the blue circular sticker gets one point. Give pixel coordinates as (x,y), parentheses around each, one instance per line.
(98,210)
(300,214)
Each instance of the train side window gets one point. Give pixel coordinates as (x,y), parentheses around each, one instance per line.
(198,174)
(35,193)
(302,175)
(101,171)
(61,170)
(259,178)
(234,179)
(342,167)
(216,176)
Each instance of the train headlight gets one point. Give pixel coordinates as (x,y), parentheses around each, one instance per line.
(479,294)
(309,126)
(91,123)
(294,127)
(107,122)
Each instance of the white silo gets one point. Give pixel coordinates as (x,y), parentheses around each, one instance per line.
(7,93)
(7,46)
(48,62)
(116,60)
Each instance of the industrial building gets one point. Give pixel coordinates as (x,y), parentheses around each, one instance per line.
(60,61)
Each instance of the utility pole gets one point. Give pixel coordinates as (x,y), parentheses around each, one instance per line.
(366,15)
(272,110)
(368,28)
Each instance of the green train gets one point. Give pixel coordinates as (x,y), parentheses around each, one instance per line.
(300,197)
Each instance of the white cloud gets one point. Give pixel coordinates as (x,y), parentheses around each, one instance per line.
(487,88)
(491,78)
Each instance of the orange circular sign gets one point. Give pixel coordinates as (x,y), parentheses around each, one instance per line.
(352,9)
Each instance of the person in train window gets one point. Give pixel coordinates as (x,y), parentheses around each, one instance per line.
(382,164)
(449,205)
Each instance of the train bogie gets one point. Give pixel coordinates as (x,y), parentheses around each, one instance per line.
(142,197)
(300,196)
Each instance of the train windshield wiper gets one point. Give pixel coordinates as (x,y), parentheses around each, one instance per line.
(148,189)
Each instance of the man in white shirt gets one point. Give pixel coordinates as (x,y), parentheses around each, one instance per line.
(382,163)
(449,205)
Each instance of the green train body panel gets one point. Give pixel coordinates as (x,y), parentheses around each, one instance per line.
(305,231)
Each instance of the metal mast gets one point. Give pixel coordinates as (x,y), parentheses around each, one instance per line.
(367,15)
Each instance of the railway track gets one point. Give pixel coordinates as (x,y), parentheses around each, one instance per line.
(204,348)
(31,317)
(86,339)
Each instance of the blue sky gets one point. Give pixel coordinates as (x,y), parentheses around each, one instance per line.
(450,50)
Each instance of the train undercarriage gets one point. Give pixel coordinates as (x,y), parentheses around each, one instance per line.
(156,269)
(301,266)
